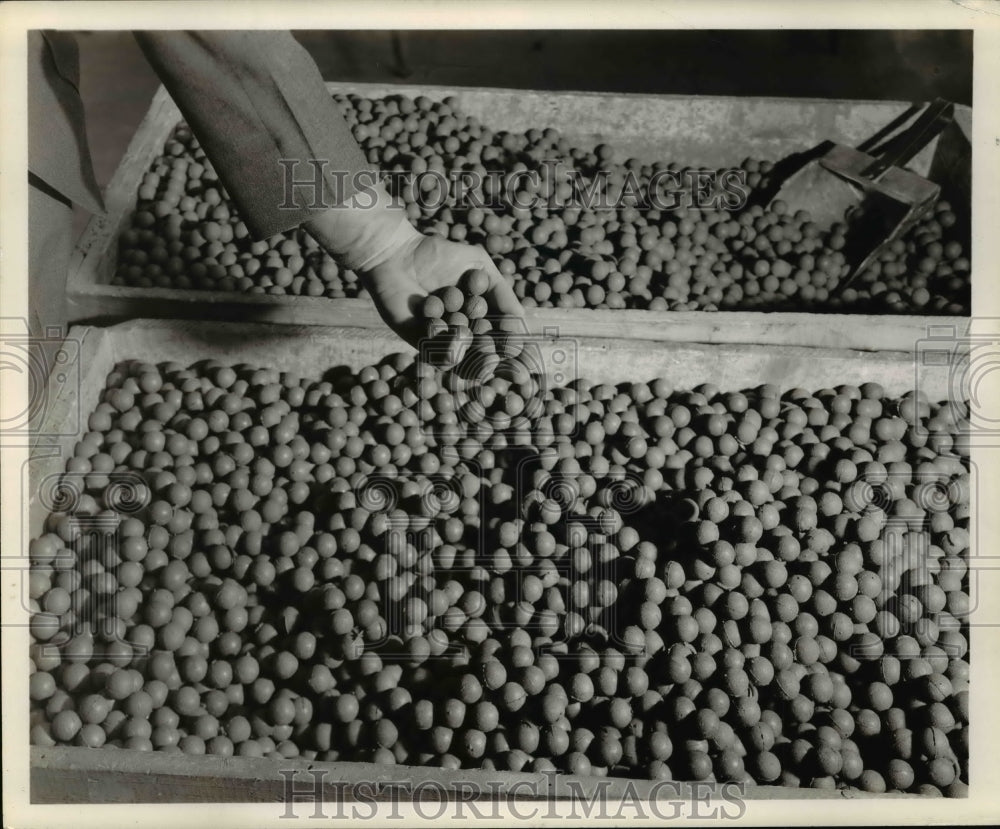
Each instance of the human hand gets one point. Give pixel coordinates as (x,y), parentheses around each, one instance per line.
(400,267)
(399,284)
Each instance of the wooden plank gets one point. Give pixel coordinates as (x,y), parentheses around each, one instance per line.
(862,332)
(312,349)
(699,130)
(85,775)
(859,331)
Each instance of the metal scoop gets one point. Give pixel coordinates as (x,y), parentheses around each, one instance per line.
(876,197)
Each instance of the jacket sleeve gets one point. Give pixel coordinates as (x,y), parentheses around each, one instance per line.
(258,105)
(58,152)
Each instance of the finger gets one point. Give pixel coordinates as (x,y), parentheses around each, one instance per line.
(397,305)
(502,299)
(500,295)
(412,330)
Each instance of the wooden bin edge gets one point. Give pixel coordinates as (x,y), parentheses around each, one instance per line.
(69,774)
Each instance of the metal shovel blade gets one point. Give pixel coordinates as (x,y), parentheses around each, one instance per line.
(820,192)
(852,168)
(873,194)
(835,183)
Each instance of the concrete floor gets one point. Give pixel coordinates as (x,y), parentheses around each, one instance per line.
(117,84)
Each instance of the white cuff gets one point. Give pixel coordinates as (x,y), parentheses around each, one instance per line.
(367,230)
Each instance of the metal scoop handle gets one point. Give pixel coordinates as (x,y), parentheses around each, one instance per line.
(935,118)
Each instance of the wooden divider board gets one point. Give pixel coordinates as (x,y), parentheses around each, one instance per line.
(710,131)
(312,350)
(88,775)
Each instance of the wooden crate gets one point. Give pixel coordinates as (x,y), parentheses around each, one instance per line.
(708,131)
(61,775)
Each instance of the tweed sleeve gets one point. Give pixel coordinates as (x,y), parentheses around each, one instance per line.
(258,105)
